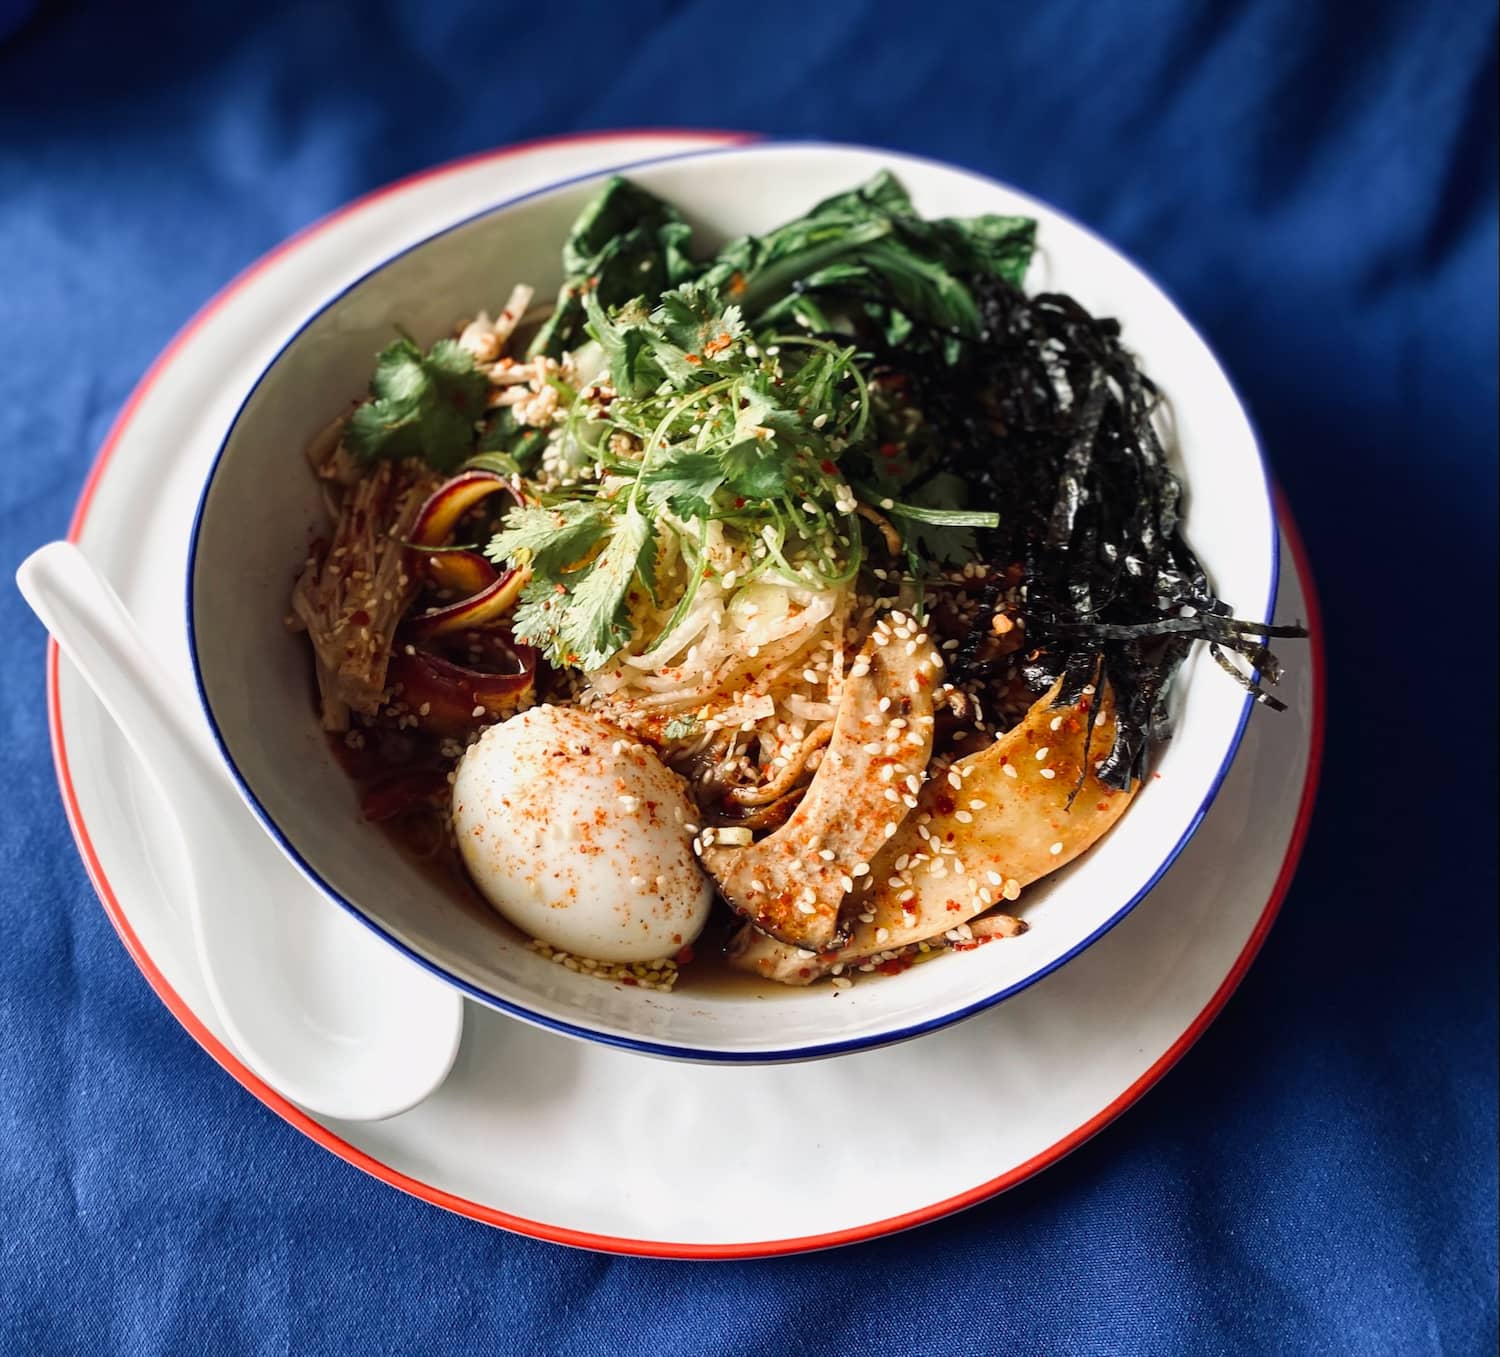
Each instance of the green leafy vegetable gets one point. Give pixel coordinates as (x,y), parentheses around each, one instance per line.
(682,727)
(868,250)
(685,483)
(520,445)
(552,540)
(583,556)
(626,243)
(937,527)
(732,401)
(420,406)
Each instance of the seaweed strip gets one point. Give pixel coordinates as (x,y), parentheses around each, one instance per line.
(1046,414)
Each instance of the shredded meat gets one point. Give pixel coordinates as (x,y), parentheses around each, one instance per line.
(353,591)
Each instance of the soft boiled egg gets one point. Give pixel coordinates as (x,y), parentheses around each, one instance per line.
(579,836)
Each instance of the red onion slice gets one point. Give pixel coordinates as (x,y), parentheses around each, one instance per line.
(450,698)
(489,605)
(460,568)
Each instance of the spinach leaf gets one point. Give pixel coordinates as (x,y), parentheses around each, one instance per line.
(627,243)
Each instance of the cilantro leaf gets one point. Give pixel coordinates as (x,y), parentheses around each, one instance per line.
(420,406)
(539,614)
(626,344)
(695,319)
(583,556)
(763,407)
(594,624)
(551,540)
(682,727)
(755,469)
(685,483)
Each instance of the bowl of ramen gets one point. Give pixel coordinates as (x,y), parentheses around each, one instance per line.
(694,610)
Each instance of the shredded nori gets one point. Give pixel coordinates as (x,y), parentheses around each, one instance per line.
(1049,418)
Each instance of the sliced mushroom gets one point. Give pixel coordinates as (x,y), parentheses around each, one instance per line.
(792,883)
(969,846)
(351,595)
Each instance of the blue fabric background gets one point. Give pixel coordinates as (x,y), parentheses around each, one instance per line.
(1316,183)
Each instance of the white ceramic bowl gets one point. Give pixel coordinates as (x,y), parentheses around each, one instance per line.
(260,505)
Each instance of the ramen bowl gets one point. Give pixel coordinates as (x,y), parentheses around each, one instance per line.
(260,507)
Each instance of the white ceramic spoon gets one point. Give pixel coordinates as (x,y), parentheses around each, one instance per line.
(323,1010)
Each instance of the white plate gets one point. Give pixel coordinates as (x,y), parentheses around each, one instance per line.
(992,1101)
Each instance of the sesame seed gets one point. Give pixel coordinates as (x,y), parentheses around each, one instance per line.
(1048,774)
(1010,770)
(955,781)
(1041,754)
(1056,723)
(994,878)
(846,882)
(1056,849)
(963,817)
(826,854)
(863,868)
(890,831)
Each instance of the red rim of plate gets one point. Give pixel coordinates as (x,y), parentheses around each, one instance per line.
(539,1229)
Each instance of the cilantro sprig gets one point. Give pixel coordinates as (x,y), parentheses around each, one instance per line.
(421,405)
(720,427)
(717,418)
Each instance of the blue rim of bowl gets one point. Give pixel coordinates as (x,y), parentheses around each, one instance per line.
(637,1044)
